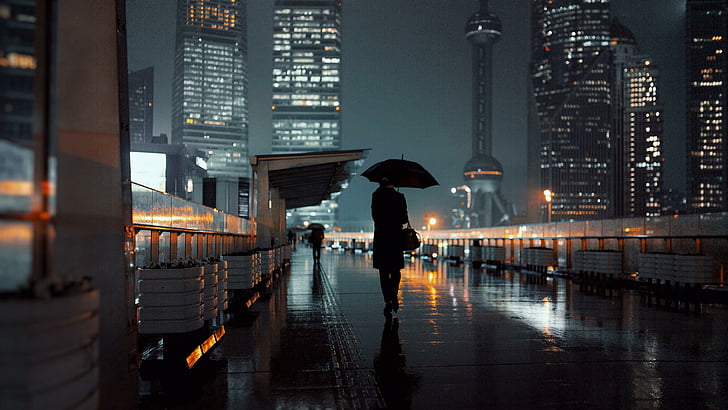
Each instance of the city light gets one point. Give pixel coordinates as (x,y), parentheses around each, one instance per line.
(548,196)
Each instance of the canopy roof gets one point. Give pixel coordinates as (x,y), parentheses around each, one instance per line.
(306,179)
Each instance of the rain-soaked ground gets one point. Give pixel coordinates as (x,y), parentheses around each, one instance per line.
(464,339)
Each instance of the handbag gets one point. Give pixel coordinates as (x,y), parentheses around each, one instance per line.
(410,238)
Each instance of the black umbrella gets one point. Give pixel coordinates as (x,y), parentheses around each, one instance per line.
(400,173)
(315,225)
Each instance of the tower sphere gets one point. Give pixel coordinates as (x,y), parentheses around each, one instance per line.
(483,173)
(483,27)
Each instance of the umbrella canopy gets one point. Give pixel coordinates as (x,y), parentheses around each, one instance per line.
(315,225)
(401,173)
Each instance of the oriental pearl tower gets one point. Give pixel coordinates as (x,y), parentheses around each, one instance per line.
(483,173)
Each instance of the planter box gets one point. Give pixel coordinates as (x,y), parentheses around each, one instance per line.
(169,312)
(49,352)
(608,262)
(170,286)
(172,300)
(181,299)
(241,271)
(681,268)
(537,256)
(222,285)
(170,326)
(210,291)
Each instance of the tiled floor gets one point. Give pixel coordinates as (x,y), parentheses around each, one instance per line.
(464,339)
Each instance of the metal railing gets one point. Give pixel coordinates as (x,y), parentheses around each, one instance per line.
(168,228)
(705,234)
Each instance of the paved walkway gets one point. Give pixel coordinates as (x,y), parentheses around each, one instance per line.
(464,339)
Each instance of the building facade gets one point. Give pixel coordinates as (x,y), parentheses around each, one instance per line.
(637,134)
(707,94)
(17,65)
(306,106)
(643,122)
(141,105)
(571,79)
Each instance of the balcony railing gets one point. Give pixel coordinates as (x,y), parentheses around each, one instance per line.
(168,228)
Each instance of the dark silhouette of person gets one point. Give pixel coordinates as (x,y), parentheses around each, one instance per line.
(291,235)
(390,370)
(389,211)
(316,239)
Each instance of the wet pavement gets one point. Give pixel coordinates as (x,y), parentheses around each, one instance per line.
(464,338)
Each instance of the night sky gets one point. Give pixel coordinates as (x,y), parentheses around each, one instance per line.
(406,85)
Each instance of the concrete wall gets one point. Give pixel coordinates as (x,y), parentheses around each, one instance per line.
(90,210)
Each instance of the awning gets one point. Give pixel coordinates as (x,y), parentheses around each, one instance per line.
(306,179)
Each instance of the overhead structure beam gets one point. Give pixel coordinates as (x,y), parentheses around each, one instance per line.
(287,181)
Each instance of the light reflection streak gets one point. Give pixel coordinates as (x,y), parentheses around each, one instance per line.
(12,233)
(15,254)
(159,209)
(427,281)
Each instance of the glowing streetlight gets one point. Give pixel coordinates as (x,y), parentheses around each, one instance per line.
(430,221)
(548,195)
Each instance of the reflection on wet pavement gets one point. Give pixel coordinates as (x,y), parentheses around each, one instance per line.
(464,338)
(480,339)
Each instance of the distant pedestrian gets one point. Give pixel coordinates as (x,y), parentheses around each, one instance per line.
(291,236)
(316,239)
(389,211)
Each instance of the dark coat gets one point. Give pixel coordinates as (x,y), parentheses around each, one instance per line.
(389,211)
(316,237)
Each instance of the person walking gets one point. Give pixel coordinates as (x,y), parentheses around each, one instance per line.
(316,239)
(389,212)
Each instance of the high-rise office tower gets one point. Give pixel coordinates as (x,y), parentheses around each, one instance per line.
(209,107)
(483,173)
(17,70)
(307,86)
(17,87)
(636,138)
(643,143)
(141,105)
(571,77)
(707,94)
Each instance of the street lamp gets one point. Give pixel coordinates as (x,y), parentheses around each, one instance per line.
(430,220)
(548,195)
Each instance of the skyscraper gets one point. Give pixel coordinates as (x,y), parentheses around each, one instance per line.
(636,137)
(18,60)
(307,86)
(707,94)
(571,77)
(483,173)
(643,143)
(17,69)
(209,106)
(141,105)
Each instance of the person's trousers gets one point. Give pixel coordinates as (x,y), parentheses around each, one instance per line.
(389,280)
(316,252)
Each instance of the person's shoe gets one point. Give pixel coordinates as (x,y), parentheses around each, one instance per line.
(395,305)
(388,311)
